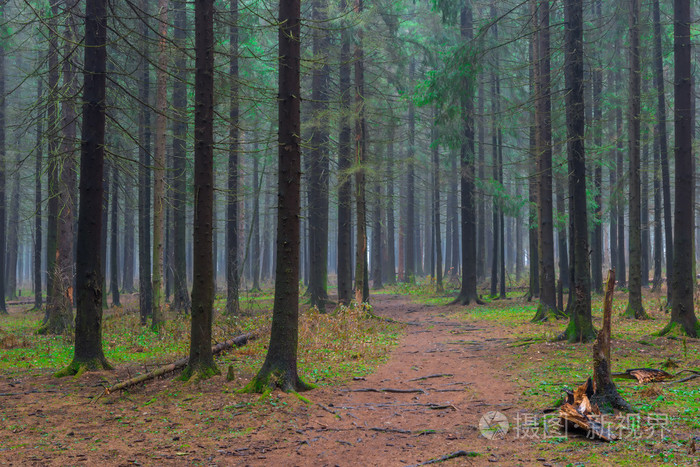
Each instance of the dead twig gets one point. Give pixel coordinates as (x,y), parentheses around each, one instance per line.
(438,375)
(399,391)
(447,457)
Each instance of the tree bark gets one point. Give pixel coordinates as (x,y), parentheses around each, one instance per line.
(38,231)
(580,327)
(88,353)
(60,305)
(361,274)
(468,292)
(597,237)
(634,307)
(145,285)
(436,207)
(319,161)
(390,269)
(663,147)
(232,268)
(114,257)
(52,127)
(543,108)
(201,362)
(344,178)
(280,366)
(682,307)
(181,297)
(157,318)
(410,228)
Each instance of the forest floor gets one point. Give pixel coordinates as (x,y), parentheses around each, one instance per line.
(444,368)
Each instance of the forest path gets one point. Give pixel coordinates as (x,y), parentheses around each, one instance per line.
(348,426)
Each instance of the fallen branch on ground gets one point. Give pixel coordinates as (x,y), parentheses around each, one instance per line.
(400,391)
(438,375)
(644,375)
(177,365)
(447,457)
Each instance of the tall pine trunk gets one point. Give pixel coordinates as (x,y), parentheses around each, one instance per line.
(181,296)
(663,147)
(157,318)
(682,306)
(543,107)
(280,366)
(201,361)
(361,275)
(88,353)
(634,307)
(145,162)
(468,292)
(580,327)
(232,250)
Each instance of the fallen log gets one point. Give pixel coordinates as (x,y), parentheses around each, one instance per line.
(645,375)
(238,341)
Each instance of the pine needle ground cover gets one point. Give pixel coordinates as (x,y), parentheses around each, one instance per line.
(44,419)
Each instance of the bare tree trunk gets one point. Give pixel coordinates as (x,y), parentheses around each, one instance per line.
(468,292)
(38,232)
(129,208)
(319,161)
(580,327)
(410,229)
(145,285)
(682,305)
(663,147)
(361,276)
(157,319)
(201,362)
(181,296)
(88,354)
(543,106)
(60,310)
(436,207)
(114,261)
(232,250)
(634,307)
(390,268)
(597,237)
(280,366)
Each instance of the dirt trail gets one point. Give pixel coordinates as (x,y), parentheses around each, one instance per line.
(348,426)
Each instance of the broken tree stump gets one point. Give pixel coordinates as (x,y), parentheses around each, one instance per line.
(605,393)
(579,413)
(238,341)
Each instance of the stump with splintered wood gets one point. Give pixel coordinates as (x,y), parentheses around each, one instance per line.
(578,413)
(605,393)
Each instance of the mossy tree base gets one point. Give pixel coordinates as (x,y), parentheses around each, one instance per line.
(677,329)
(269,379)
(78,367)
(546,312)
(635,312)
(609,400)
(577,334)
(197,373)
(57,324)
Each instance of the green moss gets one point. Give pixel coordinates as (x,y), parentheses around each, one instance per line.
(78,367)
